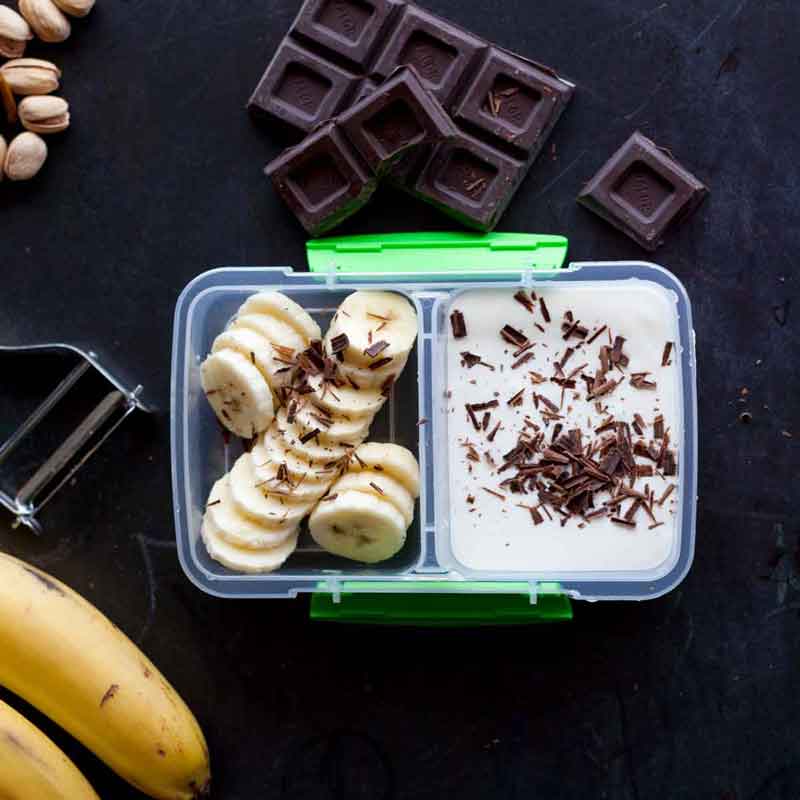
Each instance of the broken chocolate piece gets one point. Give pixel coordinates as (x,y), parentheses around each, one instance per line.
(524,301)
(513,336)
(643,191)
(376,348)
(458,324)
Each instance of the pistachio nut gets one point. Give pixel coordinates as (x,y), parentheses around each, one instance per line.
(31,76)
(75,8)
(3,150)
(25,157)
(47,21)
(44,113)
(14,33)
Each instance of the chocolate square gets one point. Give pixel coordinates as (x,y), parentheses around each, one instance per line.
(322,179)
(349,28)
(513,100)
(300,88)
(440,52)
(399,115)
(470,181)
(643,191)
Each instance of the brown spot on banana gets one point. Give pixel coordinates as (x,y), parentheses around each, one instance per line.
(110,692)
(45,580)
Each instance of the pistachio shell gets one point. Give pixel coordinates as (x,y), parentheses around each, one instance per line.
(44,113)
(25,157)
(75,8)
(31,76)
(14,33)
(48,23)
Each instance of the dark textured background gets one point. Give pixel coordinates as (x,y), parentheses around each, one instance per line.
(695,695)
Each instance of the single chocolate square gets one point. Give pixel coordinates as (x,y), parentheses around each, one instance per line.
(643,191)
(470,181)
(440,52)
(300,88)
(348,28)
(396,117)
(322,179)
(513,100)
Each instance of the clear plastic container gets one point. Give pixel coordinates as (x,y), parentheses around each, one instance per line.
(426,563)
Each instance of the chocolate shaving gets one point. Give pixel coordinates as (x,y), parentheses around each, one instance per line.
(484,406)
(487,415)
(492,492)
(522,360)
(571,329)
(516,399)
(658,427)
(665,362)
(654,526)
(524,300)
(339,343)
(376,349)
(566,357)
(513,336)
(547,402)
(639,381)
(329,497)
(381,362)
(616,351)
(595,334)
(309,435)
(458,324)
(537,377)
(493,432)
(625,522)
(543,308)
(472,417)
(469,360)
(667,492)
(376,487)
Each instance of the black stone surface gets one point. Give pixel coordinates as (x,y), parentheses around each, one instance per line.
(694,695)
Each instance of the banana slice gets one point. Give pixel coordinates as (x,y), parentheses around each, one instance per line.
(269,510)
(238,393)
(305,488)
(237,529)
(278,305)
(345,400)
(365,378)
(333,427)
(395,461)
(274,330)
(358,526)
(271,448)
(240,559)
(370,317)
(258,350)
(322,451)
(380,485)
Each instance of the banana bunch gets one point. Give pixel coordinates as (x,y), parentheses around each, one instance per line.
(65,658)
(251,362)
(328,399)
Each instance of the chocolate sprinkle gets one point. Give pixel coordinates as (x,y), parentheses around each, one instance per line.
(666,354)
(381,362)
(458,324)
(543,308)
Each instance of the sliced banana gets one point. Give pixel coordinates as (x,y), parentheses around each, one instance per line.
(305,488)
(359,526)
(274,330)
(322,451)
(238,393)
(271,448)
(279,305)
(380,485)
(345,400)
(269,510)
(366,378)
(237,529)
(241,559)
(255,347)
(395,461)
(370,317)
(334,428)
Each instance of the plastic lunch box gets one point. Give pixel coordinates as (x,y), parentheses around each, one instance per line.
(424,582)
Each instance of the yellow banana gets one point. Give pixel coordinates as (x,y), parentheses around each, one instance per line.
(64,657)
(32,766)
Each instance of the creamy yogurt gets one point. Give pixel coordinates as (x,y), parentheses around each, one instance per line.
(496,535)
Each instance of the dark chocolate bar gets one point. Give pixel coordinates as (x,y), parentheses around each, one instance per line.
(338,51)
(323,180)
(643,191)
(334,170)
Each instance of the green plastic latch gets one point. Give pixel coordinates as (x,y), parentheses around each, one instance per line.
(437,252)
(439,604)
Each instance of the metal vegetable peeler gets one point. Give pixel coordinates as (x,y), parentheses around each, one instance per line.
(30,492)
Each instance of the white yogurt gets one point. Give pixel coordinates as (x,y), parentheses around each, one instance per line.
(496,535)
